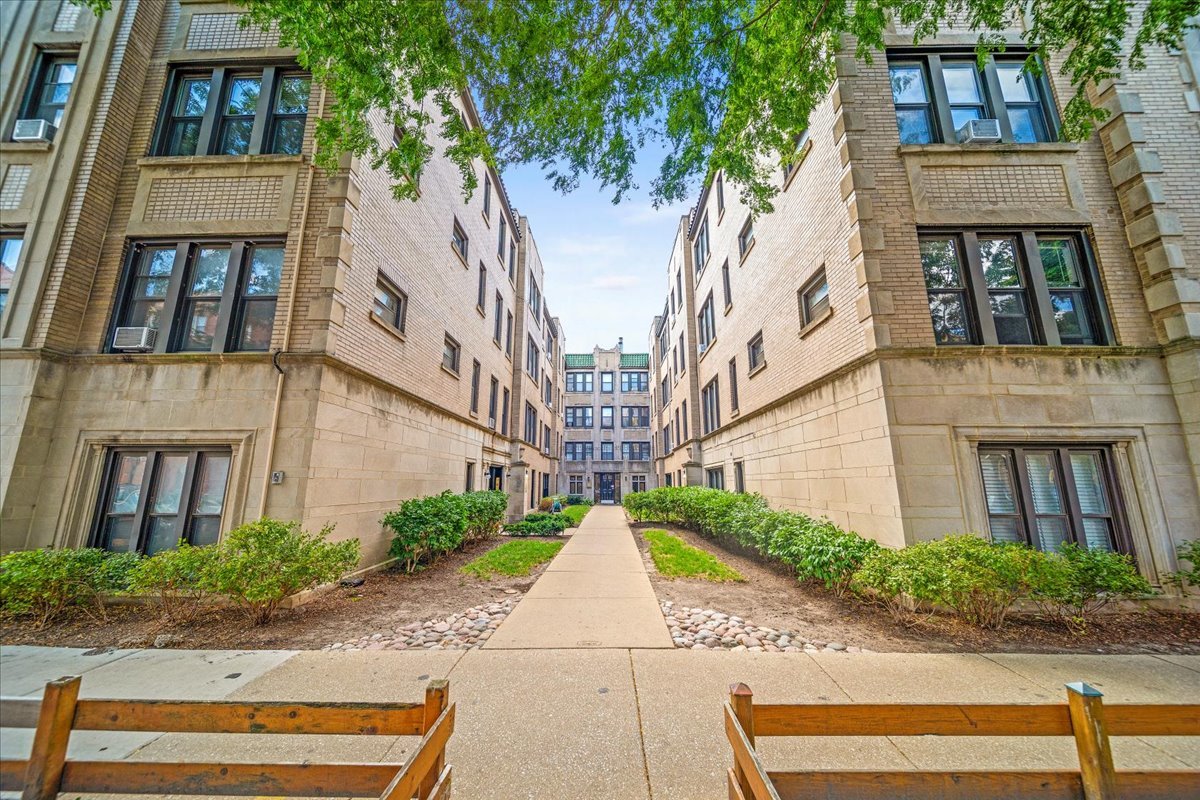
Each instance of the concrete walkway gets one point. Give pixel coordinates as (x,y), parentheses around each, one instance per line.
(595,594)
(643,724)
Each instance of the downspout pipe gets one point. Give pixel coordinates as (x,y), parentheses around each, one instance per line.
(287,325)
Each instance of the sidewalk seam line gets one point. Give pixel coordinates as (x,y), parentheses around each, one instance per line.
(637,704)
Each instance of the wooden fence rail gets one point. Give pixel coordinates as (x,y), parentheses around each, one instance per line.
(1083,717)
(48,771)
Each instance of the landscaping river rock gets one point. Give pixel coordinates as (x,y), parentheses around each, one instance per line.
(706,629)
(462,631)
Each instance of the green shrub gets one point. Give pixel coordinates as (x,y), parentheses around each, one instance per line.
(823,552)
(485,513)
(261,563)
(1188,552)
(538,524)
(1077,583)
(578,500)
(426,527)
(180,579)
(44,583)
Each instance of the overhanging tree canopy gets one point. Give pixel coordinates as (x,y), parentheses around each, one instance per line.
(579,86)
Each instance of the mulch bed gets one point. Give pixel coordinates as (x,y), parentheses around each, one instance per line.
(771,596)
(385,602)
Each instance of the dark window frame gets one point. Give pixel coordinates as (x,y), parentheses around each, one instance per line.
(981,328)
(460,243)
(611,382)
(714,477)
(399,317)
(264,127)
(476,370)
(233,298)
(746,236)
(941,126)
(634,380)
(810,311)
(754,365)
(710,403)
(1026,515)
(734,402)
(573,380)
(456,350)
(725,285)
(611,417)
(739,477)
(33,104)
(142,514)
(706,323)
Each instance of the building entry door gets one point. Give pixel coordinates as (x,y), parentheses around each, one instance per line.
(496,478)
(606,487)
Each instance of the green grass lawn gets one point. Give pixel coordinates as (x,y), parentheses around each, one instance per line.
(512,558)
(674,558)
(576,514)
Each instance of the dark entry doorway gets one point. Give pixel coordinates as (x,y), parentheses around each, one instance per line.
(608,487)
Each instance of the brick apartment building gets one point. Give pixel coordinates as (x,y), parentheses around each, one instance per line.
(200,328)
(927,336)
(607,441)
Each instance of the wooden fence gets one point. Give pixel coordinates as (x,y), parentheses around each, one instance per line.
(1083,717)
(48,771)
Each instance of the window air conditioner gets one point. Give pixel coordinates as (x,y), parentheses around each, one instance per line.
(979,130)
(134,339)
(702,348)
(33,130)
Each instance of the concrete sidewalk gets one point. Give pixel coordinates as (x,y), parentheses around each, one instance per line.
(613,723)
(595,594)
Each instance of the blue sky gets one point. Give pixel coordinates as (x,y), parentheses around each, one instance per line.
(606,265)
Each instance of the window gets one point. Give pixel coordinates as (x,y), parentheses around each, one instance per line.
(683,411)
(666,439)
(635,416)
(682,355)
(579,416)
(700,246)
(678,438)
(547,391)
(535,301)
(545,439)
(579,381)
(814,298)
(1003,90)
(706,323)
(606,451)
(575,484)
(481,290)
(203,296)
(508,334)
(725,285)
(502,238)
(532,358)
(493,396)
(50,89)
(635,451)
(470,482)
(733,386)
(756,356)
(739,477)
(504,413)
(578,451)
(475,387)
(637,483)
(450,354)
(498,325)
(233,113)
(153,499)
(670,479)
(1045,496)
(606,416)
(1036,288)
(679,284)
(635,381)
(793,162)
(746,236)
(720,194)
(487,199)
(531,424)
(512,259)
(606,382)
(715,477)
(710,402)
(391,304)
(10,253)
(459,241)
(666,392)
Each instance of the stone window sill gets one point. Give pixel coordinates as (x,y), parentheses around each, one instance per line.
(816,323)
(451,372)
(707,350)
(192,161)
(746,252)
(392,329)
(459,256)
(997,147)
(762,365)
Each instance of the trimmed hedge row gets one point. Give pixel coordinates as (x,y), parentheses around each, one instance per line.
(425,528)
(977,580)
(539,524)
(255,566)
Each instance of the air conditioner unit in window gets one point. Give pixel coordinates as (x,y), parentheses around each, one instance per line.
(702,348)
(134,339)
(491,422)
(979,130)
(33,130)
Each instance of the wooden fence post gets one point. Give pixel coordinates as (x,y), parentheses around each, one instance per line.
(1091,740)
(741,700)
(437,697)
(43,776)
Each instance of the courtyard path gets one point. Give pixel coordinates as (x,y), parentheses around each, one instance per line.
(595,594)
